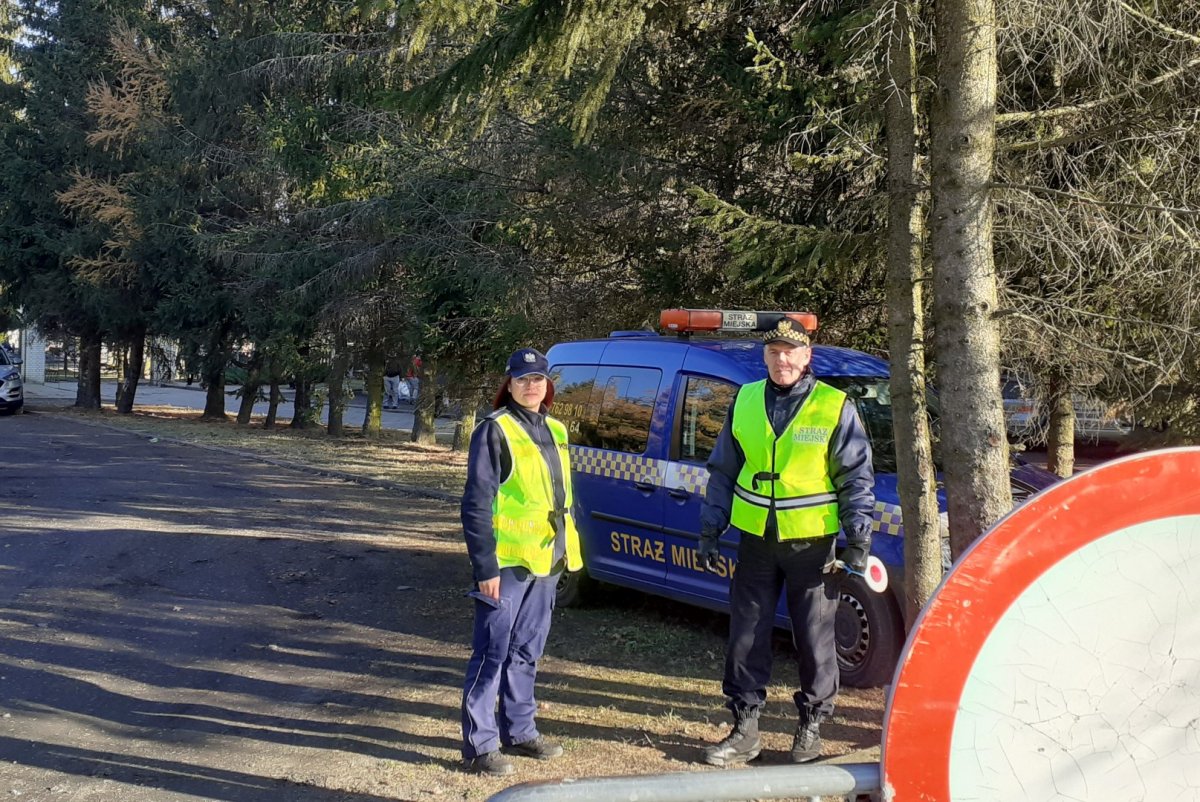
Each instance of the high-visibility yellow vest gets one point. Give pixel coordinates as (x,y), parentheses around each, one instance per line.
(524,517)
(789,472)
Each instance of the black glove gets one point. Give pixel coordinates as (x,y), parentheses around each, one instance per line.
(854,556)
(710,550)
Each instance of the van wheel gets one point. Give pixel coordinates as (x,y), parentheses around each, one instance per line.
(574,589)
(870,634)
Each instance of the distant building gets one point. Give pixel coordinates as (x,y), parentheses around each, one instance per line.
(30,344)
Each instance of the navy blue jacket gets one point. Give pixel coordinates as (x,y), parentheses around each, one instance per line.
(489,463)
(850,464)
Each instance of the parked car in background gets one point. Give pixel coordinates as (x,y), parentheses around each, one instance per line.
(1027,421)
(644,411)
(12,390)
(1099,422)
(1022,415)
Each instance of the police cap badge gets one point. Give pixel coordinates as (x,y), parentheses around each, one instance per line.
(787,332)
(527,361)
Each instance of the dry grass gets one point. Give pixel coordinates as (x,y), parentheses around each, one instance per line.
(391,458)
(630,684)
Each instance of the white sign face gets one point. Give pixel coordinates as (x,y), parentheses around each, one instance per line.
(1059,660)
(1088,688)
(744,321)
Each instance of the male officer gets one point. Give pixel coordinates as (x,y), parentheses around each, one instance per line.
(791,466)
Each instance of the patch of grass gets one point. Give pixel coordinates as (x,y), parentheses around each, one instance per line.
(391,458)
(630,683)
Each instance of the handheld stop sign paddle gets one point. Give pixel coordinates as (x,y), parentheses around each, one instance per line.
(875,574)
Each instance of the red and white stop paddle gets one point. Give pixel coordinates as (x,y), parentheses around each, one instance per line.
(875,574)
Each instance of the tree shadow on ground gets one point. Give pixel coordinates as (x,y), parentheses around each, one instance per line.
(201,782)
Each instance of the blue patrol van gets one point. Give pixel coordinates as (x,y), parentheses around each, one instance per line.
(644,411)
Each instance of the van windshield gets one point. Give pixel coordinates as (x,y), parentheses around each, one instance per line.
(873,397)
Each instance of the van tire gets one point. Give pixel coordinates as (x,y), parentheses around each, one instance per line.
(869,633)
(574,589)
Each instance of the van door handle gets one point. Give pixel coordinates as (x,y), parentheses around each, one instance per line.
(679,493)
(644,486)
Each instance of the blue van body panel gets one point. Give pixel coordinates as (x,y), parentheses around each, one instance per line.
(638,514)
(715,357)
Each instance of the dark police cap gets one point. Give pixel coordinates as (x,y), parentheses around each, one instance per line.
(787,331)
(527,361)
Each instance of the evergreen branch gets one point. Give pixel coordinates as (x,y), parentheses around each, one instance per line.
(543,40)
(1079,108)
(1065,139)
(1162,26)
(522,30)
(1179,210)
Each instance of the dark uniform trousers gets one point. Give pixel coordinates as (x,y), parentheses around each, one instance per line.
(765,566)
(508,641)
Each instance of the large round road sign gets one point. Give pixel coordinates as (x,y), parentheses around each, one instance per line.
(1060,659)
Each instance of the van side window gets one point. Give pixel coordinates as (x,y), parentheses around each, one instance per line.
(872,397)
(608,408)
(626,398)
(705,405)
(575,403)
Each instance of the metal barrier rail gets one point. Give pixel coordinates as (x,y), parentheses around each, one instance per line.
(773,782)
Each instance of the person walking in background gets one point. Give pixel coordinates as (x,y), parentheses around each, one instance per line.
(520,534)
(413,380)
(391,385)
(791,467)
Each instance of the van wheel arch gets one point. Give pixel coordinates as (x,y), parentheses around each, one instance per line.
(574,588)
(869,633)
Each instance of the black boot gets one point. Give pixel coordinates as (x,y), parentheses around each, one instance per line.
(806,746)
(741,745)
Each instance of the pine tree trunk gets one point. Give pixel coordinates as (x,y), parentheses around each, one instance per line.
(250,389)
(273,404)
(425,406)
(121,350)
(974,446)
(301,403)
(376,358)
(337,385)
(87,394)
(1060,434)
(906,321)
(466,421)
(214,399)
(215,359)
(135,362)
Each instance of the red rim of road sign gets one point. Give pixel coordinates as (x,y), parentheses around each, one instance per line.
(928,686)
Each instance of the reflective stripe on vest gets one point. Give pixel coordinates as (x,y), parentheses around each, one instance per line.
(524,516)
(790,472)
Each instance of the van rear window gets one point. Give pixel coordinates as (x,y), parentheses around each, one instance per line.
(608,407)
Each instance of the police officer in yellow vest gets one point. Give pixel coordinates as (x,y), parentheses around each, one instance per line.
(520,534)
(791,467)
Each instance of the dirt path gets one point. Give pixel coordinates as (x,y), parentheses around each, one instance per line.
(176,625)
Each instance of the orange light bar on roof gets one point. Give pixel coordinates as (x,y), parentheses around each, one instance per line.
(701,320)
(806,319)
(690,320)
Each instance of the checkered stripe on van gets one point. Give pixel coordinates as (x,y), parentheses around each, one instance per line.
(886,518)
(690,476)
(615,465)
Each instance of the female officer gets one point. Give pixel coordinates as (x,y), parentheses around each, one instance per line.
(516,515)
